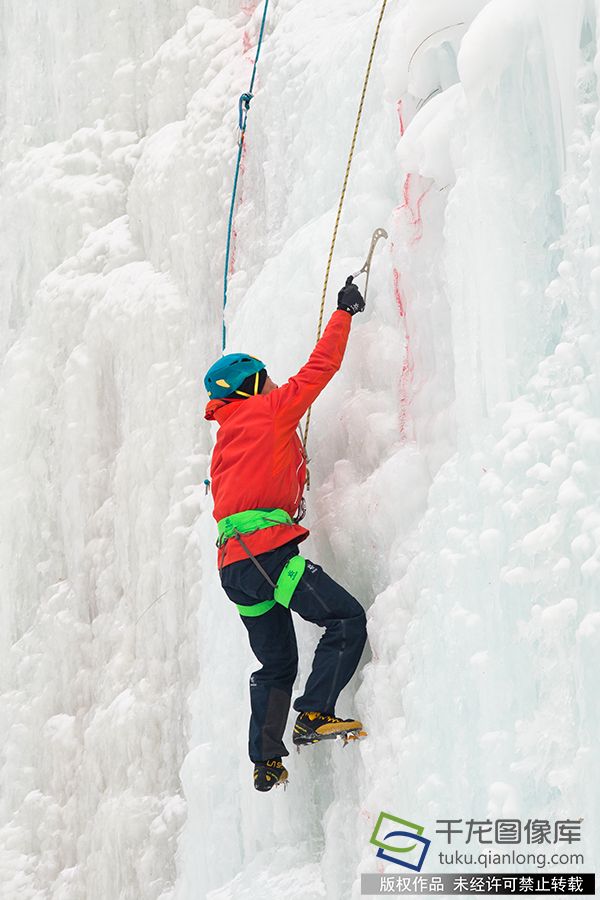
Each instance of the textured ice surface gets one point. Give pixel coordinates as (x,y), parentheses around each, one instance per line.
(455,458)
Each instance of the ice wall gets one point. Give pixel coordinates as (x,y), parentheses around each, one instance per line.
(455,458)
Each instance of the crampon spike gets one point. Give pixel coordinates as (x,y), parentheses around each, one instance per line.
(352,736)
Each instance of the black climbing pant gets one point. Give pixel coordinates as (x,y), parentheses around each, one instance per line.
(317,598)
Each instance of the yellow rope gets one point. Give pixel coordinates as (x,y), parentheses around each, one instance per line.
(343,194)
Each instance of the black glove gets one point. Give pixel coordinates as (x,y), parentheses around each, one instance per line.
(350,298)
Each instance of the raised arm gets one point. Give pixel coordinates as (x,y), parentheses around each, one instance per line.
(292,399)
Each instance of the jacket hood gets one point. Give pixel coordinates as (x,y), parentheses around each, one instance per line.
(220,410)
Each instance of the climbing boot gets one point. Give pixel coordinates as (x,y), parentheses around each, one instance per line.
(315,726)
(269,773)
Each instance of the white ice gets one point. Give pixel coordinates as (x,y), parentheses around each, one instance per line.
(455,458)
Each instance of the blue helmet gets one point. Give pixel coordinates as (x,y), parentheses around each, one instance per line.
(229,372)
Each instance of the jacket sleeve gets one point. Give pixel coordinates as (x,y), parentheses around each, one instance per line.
(290,401)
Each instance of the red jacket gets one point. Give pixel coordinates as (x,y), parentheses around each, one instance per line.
(258,461)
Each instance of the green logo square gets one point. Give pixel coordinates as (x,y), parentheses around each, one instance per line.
(418,829)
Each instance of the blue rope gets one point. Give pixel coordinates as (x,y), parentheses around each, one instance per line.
(244,108)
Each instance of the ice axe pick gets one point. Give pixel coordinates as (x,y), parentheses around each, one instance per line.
(366,268)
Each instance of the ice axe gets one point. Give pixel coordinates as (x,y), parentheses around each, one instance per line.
(366,268)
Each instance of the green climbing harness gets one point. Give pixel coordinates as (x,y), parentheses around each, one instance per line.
(251,520)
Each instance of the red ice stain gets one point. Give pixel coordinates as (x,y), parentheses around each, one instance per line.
(406,193)
(397,293)
(248,9)
(417,219)
(414,191)
(409,190)
(406,380)
(413,207)
(400,116)
(406,377)
(232,251)
(238,203)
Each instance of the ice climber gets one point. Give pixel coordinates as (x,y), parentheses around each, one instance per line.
(258,475)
